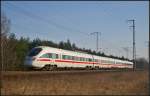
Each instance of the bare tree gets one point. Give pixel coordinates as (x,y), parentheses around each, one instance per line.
(8,55)
(5,26)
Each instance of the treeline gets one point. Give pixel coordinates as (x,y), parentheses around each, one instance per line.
(13,50)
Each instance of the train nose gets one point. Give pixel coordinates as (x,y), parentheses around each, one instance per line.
(28,61)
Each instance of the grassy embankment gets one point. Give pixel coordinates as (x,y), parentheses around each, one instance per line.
(104,83)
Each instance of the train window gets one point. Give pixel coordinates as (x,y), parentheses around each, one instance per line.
(80,58)
(35,51)
(118,62)
(68,57)
(50,55)
(90,59)
(45,56)
(72,57)
(83,59)
(87,59)
(77,58)
(95,60)
(55,56)
(64,56)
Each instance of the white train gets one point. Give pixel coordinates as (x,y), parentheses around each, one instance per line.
(49,58)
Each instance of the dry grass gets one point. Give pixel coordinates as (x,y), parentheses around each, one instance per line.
(104,83)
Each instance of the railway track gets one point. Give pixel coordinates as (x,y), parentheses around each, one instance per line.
(62,72)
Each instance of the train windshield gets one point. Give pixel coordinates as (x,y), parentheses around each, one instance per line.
(35,51)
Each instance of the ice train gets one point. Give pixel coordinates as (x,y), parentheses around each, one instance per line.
(49,58)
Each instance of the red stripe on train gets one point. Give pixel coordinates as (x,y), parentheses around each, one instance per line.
(75,62)
(44,60)
(68,61)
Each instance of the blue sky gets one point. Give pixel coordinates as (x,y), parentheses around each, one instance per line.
(75,20)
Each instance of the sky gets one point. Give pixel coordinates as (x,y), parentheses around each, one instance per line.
(75,20)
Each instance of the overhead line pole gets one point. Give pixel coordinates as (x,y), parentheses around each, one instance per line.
(148,50)
(97,39)
(134,48)
(148,44)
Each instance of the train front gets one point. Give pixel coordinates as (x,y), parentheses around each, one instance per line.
(30,59)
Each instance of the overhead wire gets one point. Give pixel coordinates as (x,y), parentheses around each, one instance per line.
(51,22)
(24,28)
(33,16)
